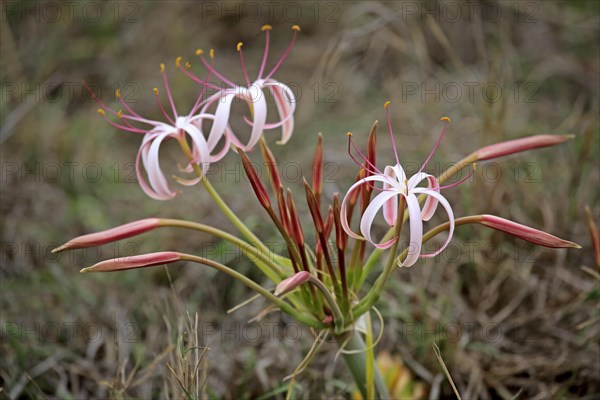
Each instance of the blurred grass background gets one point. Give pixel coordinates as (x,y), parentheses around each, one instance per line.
(511,319)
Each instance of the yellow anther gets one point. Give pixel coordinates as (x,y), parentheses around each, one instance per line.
(188,65)
(162,68)
(296,28)
(386,104)
(120,114)
(266,27)
(118,93)
(211,53)
(239,46)
(155,90)
(101,111)
(362,173)
(349,134)
(474,166)
(178,61)
(199,52)
(447,119)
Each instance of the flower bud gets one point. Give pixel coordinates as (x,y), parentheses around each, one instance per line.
(313,206)
(291,283)
(258,187)
(526,233)
(111,235)
(139,261)
(518,145)
(271,164)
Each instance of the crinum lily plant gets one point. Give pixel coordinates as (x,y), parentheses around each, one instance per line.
(325,287)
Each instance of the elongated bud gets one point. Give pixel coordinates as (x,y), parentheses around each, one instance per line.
(291,283)
(284,214)
(271,163)
(519,145)
(526,233)
(329,222)
(372,145)
(111,235)
(341,237)
(317,172)
(354,196)
(140,261)
(313,206)
(258,187)
(295,220)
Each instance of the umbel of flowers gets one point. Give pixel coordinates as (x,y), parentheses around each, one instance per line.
(324,287)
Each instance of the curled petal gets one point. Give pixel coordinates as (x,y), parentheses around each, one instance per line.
(438,197)
(255,99)
(431,203)
(162,192)
(369,216)
(390,208)
(344,207)
(416,231)
(286,105)
(200,149)
(152,164)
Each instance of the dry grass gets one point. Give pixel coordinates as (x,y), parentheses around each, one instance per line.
(528,317)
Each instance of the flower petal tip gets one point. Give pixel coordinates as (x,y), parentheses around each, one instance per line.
(59,248)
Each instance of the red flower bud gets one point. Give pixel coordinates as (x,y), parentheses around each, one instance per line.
(111,235)
(526,233)
(291,283)
(140,261)
(258,187)
(518,145)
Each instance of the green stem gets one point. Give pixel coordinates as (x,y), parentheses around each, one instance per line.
(357,363)
(284,306)
(338,317)
(376,290)
(274,272)
(220,202)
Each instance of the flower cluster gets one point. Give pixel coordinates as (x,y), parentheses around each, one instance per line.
(322,286)
(211,147)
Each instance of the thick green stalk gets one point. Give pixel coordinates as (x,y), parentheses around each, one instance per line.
(357,363)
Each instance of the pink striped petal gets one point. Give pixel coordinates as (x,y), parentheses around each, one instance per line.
(416,231)
(433,194)
(390,208)
(369,216)
(344,206)
(431,203)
